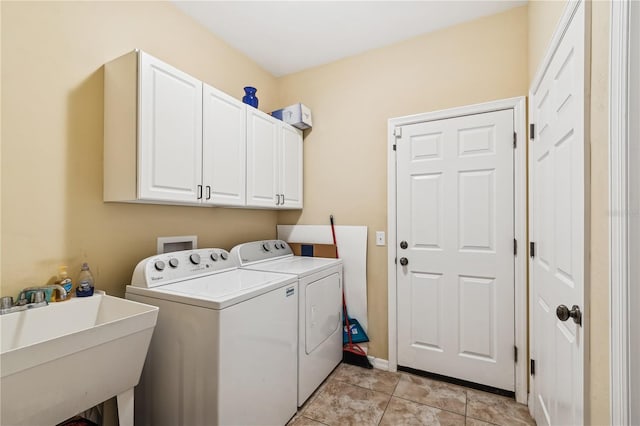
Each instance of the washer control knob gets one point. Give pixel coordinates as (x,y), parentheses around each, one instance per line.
(173,262)
(266,247)
(195,258)
(276,246)
(282,246)
(159,265)
(214,257)
(224,255)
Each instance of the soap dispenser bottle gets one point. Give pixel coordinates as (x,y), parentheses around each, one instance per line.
(85,282)
(64,281)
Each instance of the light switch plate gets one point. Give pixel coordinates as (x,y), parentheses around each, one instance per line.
(380,238)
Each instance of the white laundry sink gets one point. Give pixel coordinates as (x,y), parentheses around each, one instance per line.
(61,359)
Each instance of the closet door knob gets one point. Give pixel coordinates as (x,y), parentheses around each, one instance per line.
(563,313)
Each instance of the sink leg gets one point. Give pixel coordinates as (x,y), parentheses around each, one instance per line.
(125,408)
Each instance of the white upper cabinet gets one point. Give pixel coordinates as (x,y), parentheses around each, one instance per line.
(170,132)
(153,132)
(290,167)
(274,162)
(262,159)
(171,139)
(224,149)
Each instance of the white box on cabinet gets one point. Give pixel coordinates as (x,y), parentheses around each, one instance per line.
(298,115)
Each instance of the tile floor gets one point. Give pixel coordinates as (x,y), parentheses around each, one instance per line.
(358,396)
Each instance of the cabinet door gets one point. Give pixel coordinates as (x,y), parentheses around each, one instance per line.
(290,168)
(170,133)
(262,141)
(224,148)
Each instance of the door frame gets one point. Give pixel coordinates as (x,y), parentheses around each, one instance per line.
(518,105)
(623,188)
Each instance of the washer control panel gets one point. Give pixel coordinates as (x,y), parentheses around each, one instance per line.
(180,265)
(256,251)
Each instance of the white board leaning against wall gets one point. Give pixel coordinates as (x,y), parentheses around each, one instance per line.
(352,249)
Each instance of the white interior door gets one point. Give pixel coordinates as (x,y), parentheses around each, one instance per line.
(557,230)
(455,212)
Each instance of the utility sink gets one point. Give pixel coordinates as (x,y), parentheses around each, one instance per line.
(59,360)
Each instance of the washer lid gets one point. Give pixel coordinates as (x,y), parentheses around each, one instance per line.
(299,265)
(218,291)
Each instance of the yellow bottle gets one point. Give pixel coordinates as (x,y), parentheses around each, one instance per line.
(64,281)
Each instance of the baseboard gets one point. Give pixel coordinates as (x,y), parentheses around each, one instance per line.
(379,363)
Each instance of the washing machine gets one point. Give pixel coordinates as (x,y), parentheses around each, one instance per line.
(224,350)
(319,306)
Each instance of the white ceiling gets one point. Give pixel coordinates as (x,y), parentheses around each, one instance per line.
(288,36)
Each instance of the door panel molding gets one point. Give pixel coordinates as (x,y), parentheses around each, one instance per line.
(517,105)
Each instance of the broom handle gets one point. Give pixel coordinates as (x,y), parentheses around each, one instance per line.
(344,303)
(333,233)
(346,320)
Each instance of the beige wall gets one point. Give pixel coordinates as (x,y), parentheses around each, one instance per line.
(599,319)
(541,16)
(352,99)
(52,126)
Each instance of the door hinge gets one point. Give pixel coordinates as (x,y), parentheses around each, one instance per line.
(515,354)
(515,247)
(394,146)
(395,261)
(532,368)
(532,249)
(532,131)
(515,140)
(397,132)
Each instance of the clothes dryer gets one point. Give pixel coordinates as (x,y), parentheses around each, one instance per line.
(319,306)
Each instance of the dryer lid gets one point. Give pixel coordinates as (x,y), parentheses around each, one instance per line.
(299,265)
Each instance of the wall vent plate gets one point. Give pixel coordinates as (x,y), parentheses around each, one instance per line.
(169,244)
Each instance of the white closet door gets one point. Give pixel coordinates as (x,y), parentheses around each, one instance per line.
(170,133)
(224,149)
(557,226)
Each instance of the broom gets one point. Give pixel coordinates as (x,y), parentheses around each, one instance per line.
(351,352)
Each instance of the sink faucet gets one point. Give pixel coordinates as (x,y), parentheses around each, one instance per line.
(61,290)
(37,299)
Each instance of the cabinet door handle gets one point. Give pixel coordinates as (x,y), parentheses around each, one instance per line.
(282,199)
(277,199)
(208,192)
(199,192)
